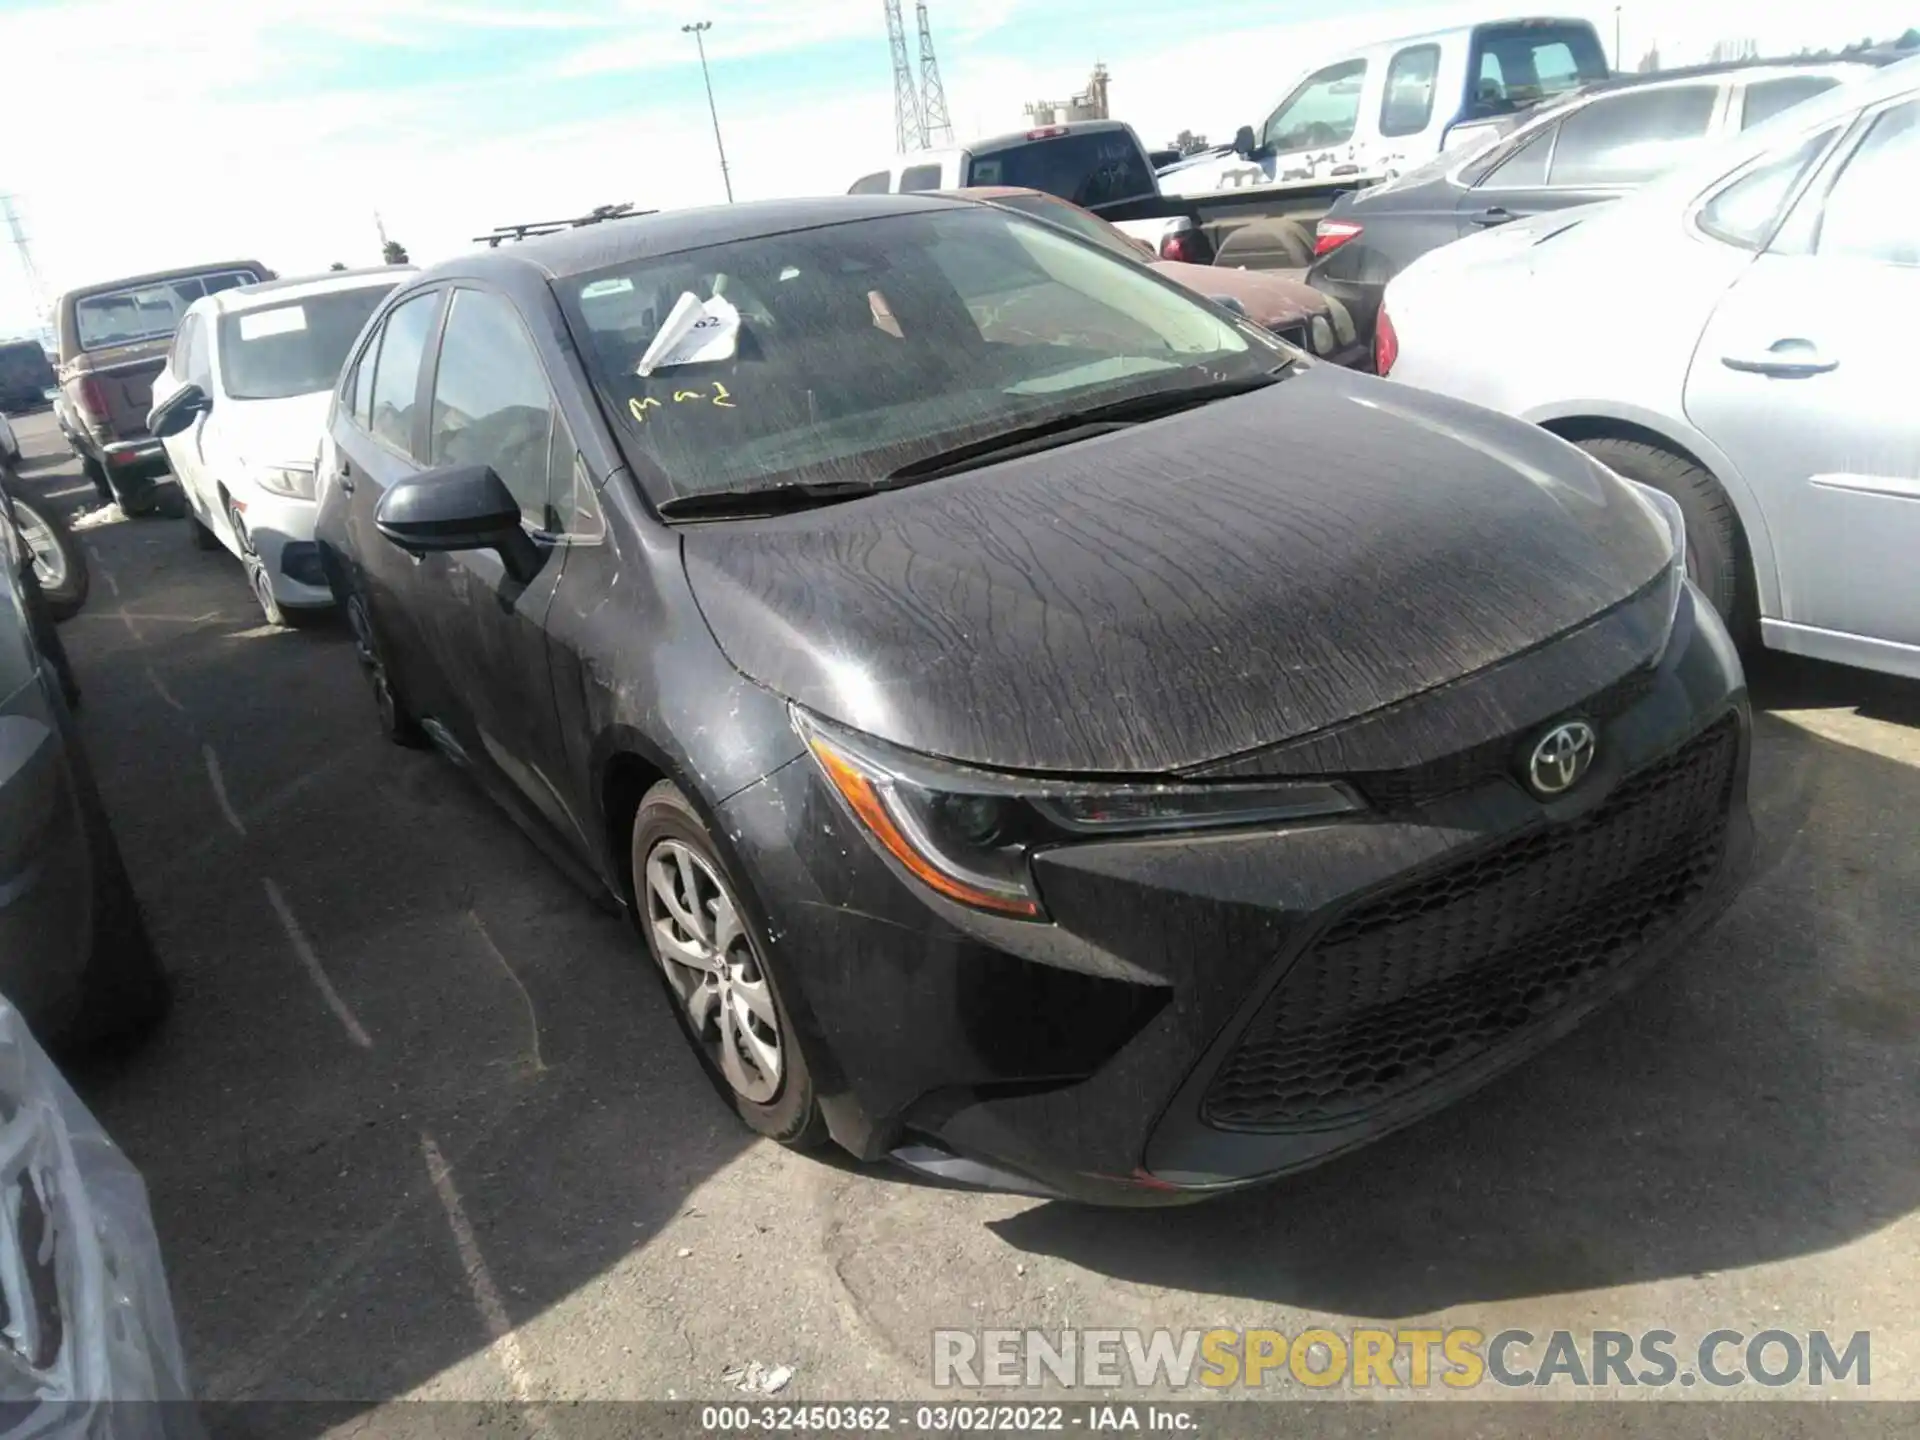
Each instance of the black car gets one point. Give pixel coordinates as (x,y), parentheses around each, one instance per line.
(26,375)
(75,958)
(1118,766)
(1597,143)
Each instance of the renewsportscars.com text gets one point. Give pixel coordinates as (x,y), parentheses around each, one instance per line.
(1459,1358)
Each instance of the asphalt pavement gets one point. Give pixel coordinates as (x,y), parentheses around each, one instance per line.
(421,1126)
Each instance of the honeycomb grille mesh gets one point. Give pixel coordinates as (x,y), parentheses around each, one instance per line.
(1425,978)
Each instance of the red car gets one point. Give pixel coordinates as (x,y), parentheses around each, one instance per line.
(1292,309)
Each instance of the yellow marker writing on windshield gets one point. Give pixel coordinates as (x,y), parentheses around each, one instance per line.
(640,408)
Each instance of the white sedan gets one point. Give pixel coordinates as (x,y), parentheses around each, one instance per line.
(240,407)
(1737,334)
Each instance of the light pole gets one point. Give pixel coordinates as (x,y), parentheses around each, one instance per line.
(698,31)
(1619,60)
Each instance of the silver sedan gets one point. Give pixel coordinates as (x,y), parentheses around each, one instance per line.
(1739,334)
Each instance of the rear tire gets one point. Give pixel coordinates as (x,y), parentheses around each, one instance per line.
(1716,548)
(97,474)
(203,536)
(669,834)
(397,721)
(60,566)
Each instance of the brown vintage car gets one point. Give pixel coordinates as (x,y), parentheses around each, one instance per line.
(114,337)
(1290,308)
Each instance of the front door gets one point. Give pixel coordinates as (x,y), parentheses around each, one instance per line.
(493,405)
(1803,378)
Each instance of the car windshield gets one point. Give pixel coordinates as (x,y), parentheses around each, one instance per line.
(295,348)
(845,352)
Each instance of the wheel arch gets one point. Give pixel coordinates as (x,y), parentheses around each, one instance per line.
(1575,423)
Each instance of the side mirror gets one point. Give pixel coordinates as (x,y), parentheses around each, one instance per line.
(1227,302)
(463,507)
(1245,142)
(178,410)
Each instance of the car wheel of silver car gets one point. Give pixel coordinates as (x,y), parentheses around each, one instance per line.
(712,958)
(1716,548)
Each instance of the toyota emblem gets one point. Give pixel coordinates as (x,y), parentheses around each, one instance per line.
(1561,758)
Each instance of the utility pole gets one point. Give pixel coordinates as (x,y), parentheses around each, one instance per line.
(909,119)
(1619,57)
(699,30)
(933,94)
(36,288)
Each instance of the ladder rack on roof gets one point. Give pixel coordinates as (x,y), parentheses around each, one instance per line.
(554,227)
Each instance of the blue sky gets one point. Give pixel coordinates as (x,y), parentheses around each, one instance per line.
(275,129)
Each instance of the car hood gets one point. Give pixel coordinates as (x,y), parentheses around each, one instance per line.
(276,432)
(1184,590)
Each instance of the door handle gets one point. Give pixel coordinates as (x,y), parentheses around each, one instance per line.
(1783,360)
(1493,215)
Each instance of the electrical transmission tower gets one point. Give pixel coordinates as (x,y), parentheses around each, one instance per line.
(909,122)
(934,119)
(36,288)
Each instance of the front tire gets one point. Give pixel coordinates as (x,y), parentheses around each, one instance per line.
(203,536)
(711,957)
(1715,545)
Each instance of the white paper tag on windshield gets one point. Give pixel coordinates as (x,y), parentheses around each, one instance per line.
(281,320)
(695,332)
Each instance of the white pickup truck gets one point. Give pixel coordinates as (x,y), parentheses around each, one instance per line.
(1373,112)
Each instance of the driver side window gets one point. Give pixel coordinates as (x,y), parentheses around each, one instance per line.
(1324,111)
(491,403)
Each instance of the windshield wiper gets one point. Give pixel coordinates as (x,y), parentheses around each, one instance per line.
(1082,424)
(767,500)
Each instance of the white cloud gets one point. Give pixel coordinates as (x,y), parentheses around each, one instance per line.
(150,163)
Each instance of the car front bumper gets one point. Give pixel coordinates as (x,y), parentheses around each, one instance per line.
(280,529)
(1206,1012)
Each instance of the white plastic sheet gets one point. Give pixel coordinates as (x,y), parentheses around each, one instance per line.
(88,1344)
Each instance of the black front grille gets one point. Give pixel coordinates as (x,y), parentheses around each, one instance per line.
(1400,790)
(1425,978)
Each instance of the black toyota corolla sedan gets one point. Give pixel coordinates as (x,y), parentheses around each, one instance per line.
(1120,763)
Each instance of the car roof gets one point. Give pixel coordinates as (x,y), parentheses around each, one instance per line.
(628,238)
(243,298)
(1447,32)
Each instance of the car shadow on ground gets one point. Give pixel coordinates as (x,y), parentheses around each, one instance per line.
(416,1088)
(1751,1103)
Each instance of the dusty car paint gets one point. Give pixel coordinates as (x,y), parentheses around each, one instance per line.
(1249,589)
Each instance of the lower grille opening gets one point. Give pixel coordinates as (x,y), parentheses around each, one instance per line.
(1422,979)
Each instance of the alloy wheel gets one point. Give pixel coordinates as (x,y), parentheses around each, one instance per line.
(367,650)
(697,935)
(49,561)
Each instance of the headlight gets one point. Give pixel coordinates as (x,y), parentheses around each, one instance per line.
(293,481)
(969,835)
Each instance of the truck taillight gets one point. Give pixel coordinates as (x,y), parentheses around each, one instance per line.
(1332,234)
(1386,343)
(92,400)
(1048,132)
(1179,246)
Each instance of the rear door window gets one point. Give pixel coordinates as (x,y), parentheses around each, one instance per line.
(1765,99)
(919,177)
(1094,167)
(1630,137)
(1324,110)
(1518,65)
(1746,212)
(396,376)
(878,183)
(1523,166)
(1869,213)
(1407,106)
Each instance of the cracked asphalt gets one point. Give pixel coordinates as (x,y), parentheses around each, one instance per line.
(421,1127)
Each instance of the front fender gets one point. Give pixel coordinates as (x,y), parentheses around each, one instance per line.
(1582,415)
